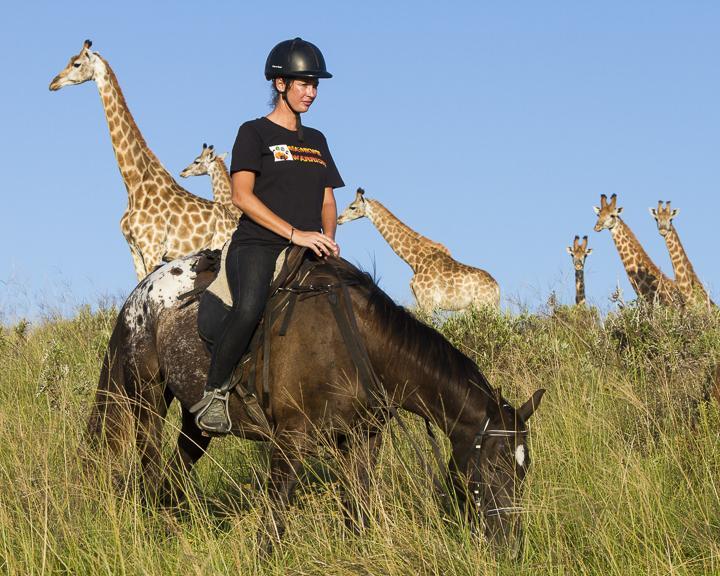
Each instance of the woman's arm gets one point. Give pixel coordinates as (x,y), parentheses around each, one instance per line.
(243,184)
(329,216)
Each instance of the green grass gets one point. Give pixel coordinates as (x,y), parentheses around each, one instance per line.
(624,475)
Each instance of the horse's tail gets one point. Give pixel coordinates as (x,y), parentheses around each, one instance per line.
(110,412)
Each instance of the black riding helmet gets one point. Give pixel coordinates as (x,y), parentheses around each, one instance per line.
(292,59)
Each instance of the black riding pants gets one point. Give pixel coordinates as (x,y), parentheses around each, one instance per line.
(249,272)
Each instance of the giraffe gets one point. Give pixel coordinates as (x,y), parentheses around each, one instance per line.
(162,221)
(579,251)
(439,280)
(685,277)
(214,164)
(646,278)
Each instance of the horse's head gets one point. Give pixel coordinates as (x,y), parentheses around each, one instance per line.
(498,465)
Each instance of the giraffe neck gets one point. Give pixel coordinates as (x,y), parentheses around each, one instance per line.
(580,286)
(642,272)
(405,242)
(131,151)
(221,186)
(685,276)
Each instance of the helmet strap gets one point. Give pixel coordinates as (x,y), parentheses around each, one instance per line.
(298,122)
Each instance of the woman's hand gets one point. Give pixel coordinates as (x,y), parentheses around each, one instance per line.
(317,242)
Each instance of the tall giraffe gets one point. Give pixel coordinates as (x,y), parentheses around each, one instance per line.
(579,251)
(163,221)
(646,278)
(685,277)
(214,164)
(439,280)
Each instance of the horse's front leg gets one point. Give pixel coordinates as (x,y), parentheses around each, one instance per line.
(285,468)
(360,460)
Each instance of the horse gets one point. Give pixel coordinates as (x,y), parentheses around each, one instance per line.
(155,356)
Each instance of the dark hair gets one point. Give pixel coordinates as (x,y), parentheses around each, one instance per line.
(274,94)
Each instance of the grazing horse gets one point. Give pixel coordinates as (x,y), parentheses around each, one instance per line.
(154,356)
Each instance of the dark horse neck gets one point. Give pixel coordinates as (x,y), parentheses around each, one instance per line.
(424,374)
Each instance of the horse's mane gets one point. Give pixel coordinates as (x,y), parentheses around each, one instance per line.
(411,338)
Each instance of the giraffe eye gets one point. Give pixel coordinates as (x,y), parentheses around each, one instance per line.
(76,65)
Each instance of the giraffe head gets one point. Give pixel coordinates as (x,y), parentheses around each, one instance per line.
(80,68)
(203,163)
(357,208)
(608,213)
(663,216)
(579,251)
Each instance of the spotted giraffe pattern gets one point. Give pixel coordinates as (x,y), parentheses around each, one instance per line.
(645,277)
(162,221)
(686,279)
(214,164)
(439,280)
(579,252)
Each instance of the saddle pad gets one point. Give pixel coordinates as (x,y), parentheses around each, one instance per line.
(220,286)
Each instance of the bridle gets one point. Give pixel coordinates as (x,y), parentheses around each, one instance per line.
(476,484)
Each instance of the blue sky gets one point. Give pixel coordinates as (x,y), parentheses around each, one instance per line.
(492,127)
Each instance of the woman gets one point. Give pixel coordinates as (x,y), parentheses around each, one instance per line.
(283,178)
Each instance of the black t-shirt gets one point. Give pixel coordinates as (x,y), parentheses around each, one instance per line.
(290,176)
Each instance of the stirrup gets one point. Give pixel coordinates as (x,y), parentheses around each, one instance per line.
(201,408)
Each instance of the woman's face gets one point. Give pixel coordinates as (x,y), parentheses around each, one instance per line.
(301,93)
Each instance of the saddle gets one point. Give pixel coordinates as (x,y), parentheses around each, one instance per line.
(211,276)
(211,285)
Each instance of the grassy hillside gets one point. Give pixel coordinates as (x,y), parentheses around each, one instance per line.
(624,476)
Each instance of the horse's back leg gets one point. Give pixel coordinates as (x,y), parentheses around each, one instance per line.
(150,409)
(191,445)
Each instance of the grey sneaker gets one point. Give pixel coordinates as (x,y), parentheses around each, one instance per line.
(211,413)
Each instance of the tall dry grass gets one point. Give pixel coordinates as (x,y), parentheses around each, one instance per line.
(623,481)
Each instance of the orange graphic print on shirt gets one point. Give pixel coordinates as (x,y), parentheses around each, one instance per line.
(283,152)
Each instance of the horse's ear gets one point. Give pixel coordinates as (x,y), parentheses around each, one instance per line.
(527,409)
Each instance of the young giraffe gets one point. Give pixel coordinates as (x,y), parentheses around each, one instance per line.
(646,278)
(163,221)
(439,281)
(579,251)
(685,277)
(214,164)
